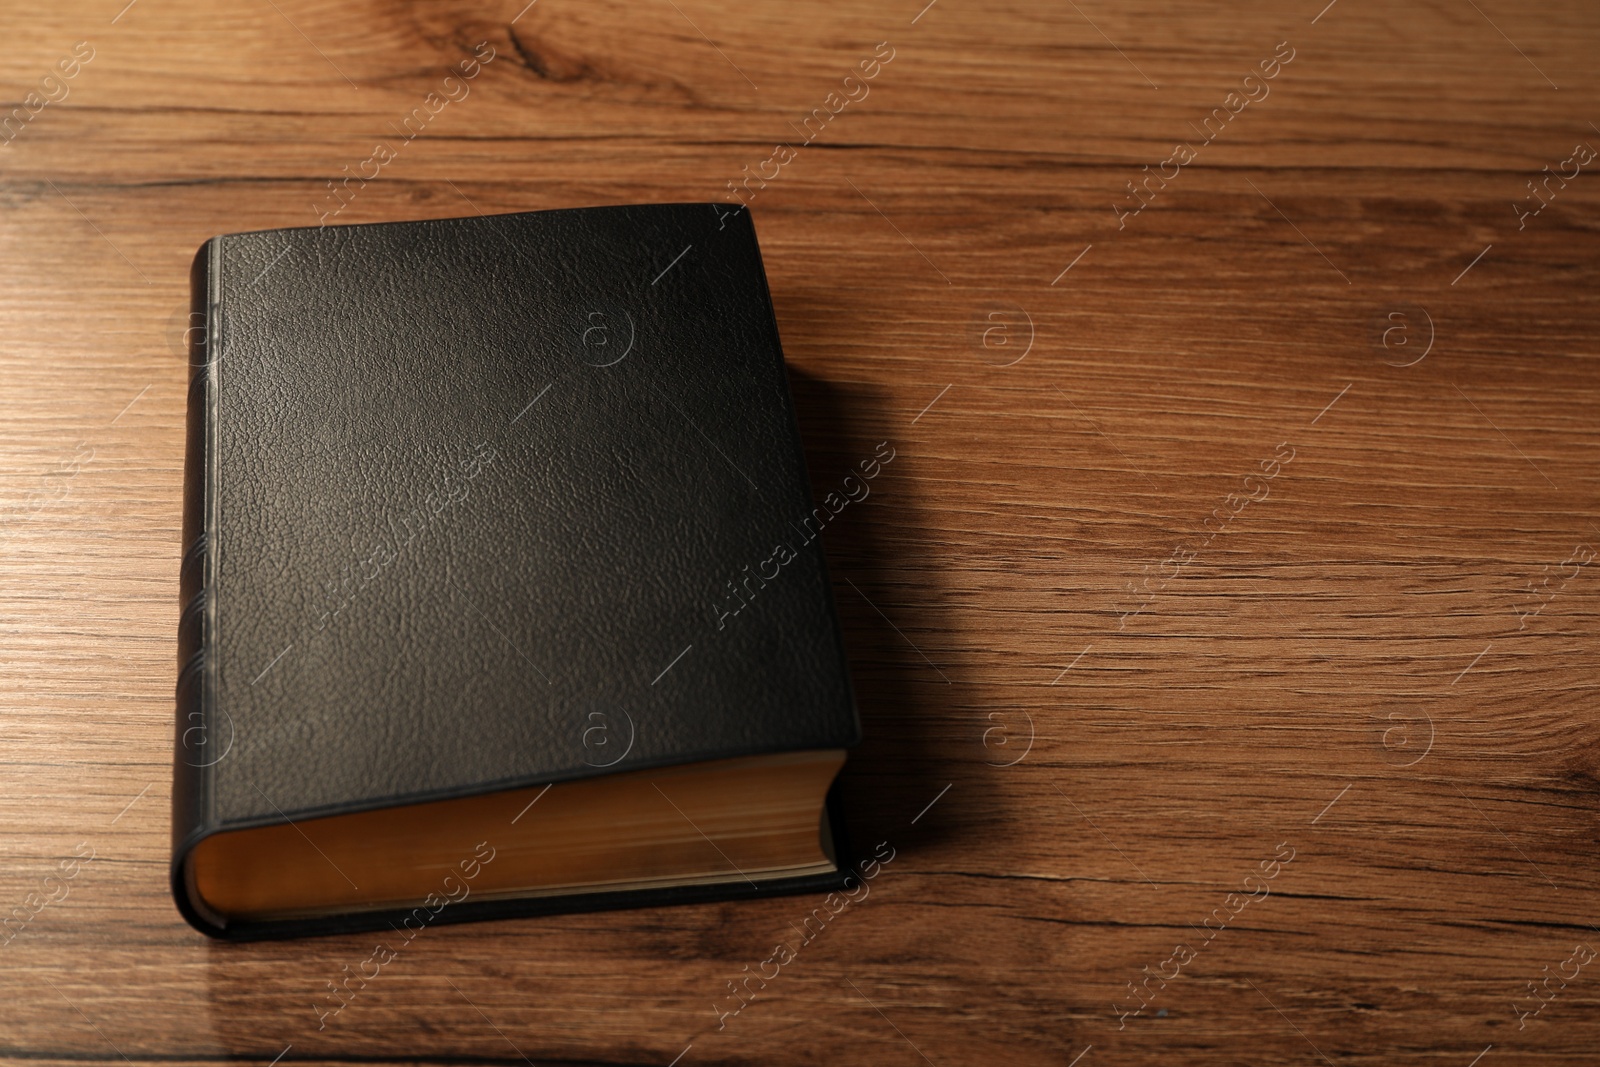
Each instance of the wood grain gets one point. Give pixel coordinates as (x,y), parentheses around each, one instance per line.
(1348,670)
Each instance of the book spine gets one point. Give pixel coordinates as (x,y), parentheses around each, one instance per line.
(199,742)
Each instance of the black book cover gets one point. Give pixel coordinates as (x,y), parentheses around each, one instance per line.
(456,487)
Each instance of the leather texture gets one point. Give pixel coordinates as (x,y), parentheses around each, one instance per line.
(461,493)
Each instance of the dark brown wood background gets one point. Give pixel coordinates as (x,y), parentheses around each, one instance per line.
(1351,669)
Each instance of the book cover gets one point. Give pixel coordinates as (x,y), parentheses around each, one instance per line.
(476,507)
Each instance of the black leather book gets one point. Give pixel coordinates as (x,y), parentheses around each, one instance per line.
(501,585)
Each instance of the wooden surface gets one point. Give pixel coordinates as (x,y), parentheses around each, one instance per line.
(1350,672)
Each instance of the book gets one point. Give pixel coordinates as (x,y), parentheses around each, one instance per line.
(501,590)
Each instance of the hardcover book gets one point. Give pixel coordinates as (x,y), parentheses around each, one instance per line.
(497,591)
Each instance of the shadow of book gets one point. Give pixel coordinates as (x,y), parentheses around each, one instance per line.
(896,770)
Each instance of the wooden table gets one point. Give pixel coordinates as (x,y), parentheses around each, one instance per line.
(1223,627)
